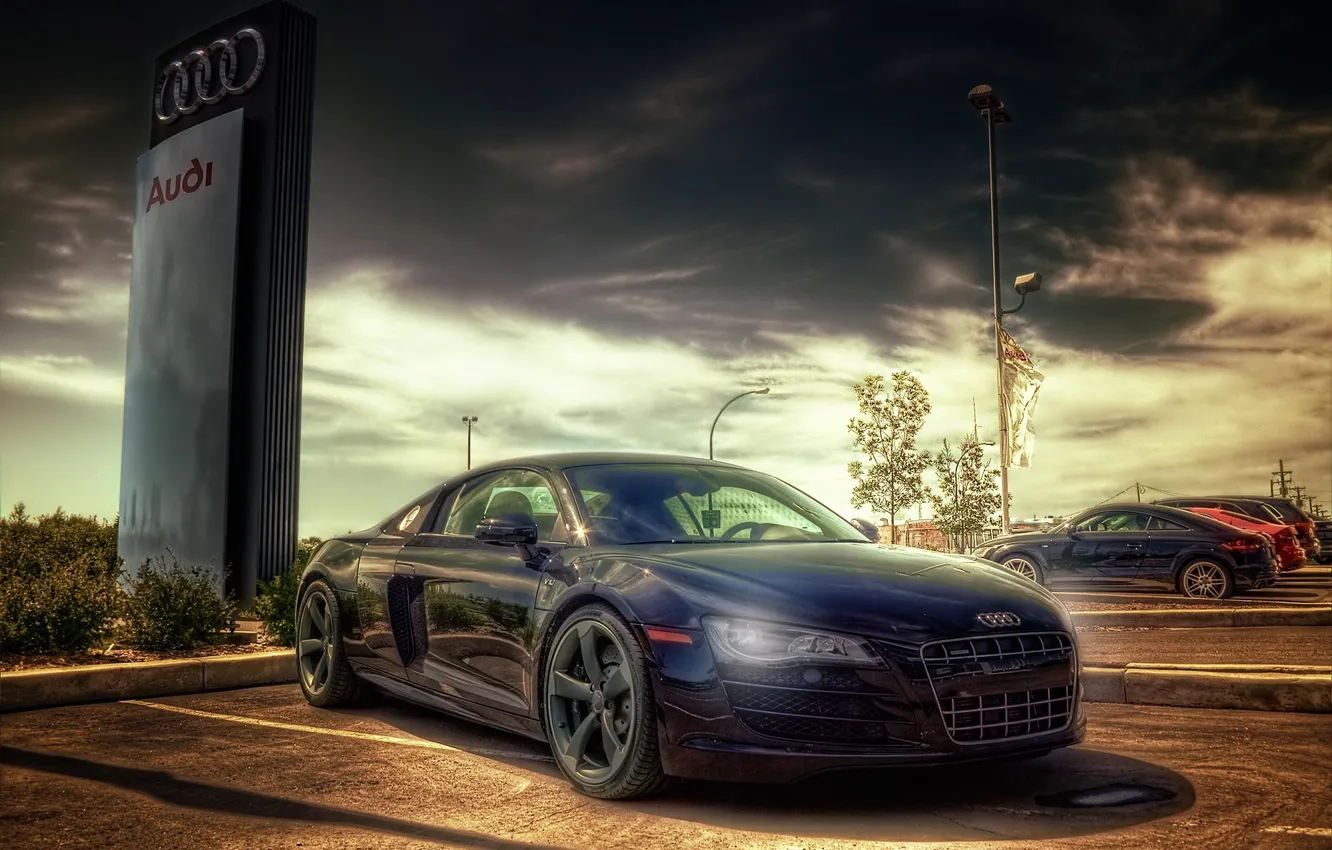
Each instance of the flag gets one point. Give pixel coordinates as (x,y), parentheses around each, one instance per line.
(1021,385)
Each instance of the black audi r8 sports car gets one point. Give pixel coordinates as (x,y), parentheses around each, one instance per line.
(655,616)
(1132,544)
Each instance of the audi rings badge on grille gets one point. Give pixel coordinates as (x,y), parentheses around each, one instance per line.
(188,83)
(999,620)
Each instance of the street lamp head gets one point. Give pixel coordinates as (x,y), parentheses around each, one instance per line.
(763,391)
(1028,283)
(469,419)
(983,97)
(986,101)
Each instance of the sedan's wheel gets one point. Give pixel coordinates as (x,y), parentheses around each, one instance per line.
(1024,567)
(1206,580)
(598,707)
(325,676)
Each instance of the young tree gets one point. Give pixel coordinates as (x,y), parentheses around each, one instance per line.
(886,433)
(967,495)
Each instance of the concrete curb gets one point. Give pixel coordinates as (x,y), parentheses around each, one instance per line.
(28,689)
(1243,686)
(1249,686)
(1178,618)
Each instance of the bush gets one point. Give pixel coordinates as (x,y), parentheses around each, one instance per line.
(58,582)
(175,608)
(276,602)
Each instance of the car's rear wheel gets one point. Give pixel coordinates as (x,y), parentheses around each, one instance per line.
(598,708)
(1205,579)
(326,678)
(1025,566)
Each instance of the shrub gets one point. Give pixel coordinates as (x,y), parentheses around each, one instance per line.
(276,601)
(66,608)
(175,608)
(58,582)
(27,548)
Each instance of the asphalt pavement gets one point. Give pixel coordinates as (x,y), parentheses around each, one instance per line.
(260,768)
(1296,645)
(1307,586)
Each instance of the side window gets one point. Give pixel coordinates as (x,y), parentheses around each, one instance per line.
(516,491)
(1156,523)
(442,514)
(1091,523)
(1273,513)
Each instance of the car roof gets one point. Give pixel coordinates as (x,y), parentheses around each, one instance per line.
(569,460)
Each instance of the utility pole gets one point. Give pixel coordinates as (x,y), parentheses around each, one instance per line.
(1283,477)
(1138,487)
(1299,495)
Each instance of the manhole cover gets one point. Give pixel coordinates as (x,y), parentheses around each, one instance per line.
(1106,795)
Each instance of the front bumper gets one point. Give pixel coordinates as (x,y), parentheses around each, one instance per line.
(711,729)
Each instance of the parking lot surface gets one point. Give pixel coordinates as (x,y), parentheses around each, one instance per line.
(1253,645)
(260,768)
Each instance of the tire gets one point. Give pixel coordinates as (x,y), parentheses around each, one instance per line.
(319,621)
(1025,566)
(576,714)
(1204,578)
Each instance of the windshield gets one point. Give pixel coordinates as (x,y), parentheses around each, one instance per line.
(682,503)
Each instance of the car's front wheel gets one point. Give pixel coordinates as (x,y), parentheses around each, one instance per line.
(597,706)
(1025,566)
(1204,579)
(326,678)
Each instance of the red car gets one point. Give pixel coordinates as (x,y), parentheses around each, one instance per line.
(1290,554)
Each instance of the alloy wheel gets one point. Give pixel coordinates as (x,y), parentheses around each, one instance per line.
(313,641)
(590,702)
(1022,567)
(1204,580)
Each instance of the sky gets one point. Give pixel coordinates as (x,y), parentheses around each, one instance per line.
(591,224)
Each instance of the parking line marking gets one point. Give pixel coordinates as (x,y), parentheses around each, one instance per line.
(339,733)
(1314,831)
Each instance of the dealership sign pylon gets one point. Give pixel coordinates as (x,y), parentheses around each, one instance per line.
(210,452)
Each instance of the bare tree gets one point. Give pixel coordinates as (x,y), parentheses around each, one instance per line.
(967,495)
(885,432)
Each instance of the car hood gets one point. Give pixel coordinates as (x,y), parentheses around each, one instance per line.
(892,592)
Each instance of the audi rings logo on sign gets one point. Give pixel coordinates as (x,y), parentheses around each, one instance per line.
(999,620)
(188,83)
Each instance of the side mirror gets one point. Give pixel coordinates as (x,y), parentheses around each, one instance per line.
(508,530)
(867,528)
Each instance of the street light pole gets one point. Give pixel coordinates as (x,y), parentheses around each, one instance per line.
(713,430)
(992,109)
(469,421)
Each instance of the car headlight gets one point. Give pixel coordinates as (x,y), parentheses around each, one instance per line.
(774,645)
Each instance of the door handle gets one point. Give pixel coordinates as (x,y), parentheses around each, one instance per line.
(1133,546)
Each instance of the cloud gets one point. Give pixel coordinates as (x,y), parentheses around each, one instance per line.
(71,301)
(62,377)
(656,115)
(41,124)
(1259,260)
(621,279)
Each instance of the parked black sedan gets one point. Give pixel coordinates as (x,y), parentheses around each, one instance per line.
(654,616)
(1136,544)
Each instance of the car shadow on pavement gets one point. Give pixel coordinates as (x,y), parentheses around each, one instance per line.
(967,802)
(177,791)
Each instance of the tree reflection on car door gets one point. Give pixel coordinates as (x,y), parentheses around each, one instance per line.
(479,598)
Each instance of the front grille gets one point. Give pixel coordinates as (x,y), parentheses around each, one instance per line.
(1003,686)
(812,704)
(1007,715)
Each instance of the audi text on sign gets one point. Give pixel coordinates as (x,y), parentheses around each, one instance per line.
(185,84)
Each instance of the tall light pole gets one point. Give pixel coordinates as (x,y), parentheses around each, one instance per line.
(469,421)
(713,430)
(992,110)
